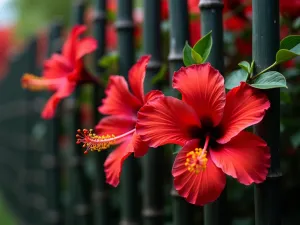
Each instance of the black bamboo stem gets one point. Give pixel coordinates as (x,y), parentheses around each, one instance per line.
(182,210)
(83,211)
(153,162)
(265,46)
(51,160)
(100,193)
(130,209)
(211,20)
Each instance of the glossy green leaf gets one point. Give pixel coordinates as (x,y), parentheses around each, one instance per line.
(108,60)
(187,55)
(269,80)
(284,55)
(203,46)
(235,77)
(245,65)
(289,48)
(197,58)
(289,42)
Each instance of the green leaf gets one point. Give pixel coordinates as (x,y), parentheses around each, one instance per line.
(109,60)
(295,139)
(289,48)
(160,75)
(203,46)
(284,55)
(197,58)
(296,24)
(269,80)
(187,55)
(235,77)
(245,65)
(289,42)
(251,66)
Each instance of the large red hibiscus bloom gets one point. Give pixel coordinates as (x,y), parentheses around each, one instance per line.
(62,72)
(121,106)
(209,125)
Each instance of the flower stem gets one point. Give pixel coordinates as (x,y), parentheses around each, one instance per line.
(263,71)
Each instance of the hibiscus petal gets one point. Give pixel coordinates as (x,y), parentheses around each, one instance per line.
(64,91)
(202,87)
(151,95)
(113,163)
(56,67)
(119,100)
(246,157)
(201,188)
(166,120)
(85,46)
(136,77)
(116,125)
(69,47)
(139,147)
(245,106)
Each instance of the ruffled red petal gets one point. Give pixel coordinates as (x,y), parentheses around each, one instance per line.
(69,47)
(202,87)
(151,95)
(246,157)
(113,163)
(139,147)
(201,188)
(116,125)
(85,46)
(64,91)
(136,77)
(166,120)
(119,101)
(245,106)
(56,67)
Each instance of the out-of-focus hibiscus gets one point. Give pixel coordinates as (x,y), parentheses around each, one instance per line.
(210,126)
(121,106)
(62,72)
(6,38)
(290,8)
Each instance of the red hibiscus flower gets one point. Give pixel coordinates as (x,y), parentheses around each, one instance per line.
(62,72)
(209,125)
(121,106)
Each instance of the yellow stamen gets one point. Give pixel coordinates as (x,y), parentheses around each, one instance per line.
(36,83)
(94,142)
(196,160)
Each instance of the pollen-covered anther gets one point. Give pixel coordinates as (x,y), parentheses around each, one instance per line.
(196,160)
(92,141)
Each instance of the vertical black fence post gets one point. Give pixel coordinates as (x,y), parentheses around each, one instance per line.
(182,210)
(100,193)
(153,206)
(265,46)
(130,211)
(83,210)
(51,160)
(32,153)
(211,20)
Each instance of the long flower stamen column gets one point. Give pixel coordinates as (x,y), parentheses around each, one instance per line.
(94,142)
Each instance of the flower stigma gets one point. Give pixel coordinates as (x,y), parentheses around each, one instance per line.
(93,142)
(196,160)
